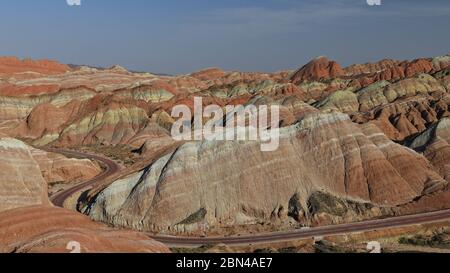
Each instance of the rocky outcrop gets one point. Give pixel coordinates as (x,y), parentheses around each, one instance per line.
(371,68)
(417,67)
(21,182)
(343,100)
(382,93)
(46,119)
(324,152)
(98,120)
(11,90)
(26,172)
(56,168)
(326,209)
(438,153)
(28,223)
(18,108)
(320,68)
(150,137)
(155,91)
(391,70)
(443,129)
(110,126)
(434,143)
(209,74)
(405,108)
(41,229)
(441,62)
(403,119)
(11,65)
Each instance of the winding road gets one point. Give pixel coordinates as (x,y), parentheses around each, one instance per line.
(308,233)
(111,168)
(172,241)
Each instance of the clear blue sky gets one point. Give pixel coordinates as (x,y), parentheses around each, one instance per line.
(180,36)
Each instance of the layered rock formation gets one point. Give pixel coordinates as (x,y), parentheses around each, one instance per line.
(324,152)
(56,168)
(113,125)
(435,144)
(28,223)
(320,68)
(346,153)
(21,181)
(111,106)
(343,100)
(26,172)
(12,65)
(382,93)
(391,70)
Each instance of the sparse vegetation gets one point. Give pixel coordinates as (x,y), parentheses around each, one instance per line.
(202,249)
(195,217)
(438,239)
(327,247)
(121,153)
(321,202)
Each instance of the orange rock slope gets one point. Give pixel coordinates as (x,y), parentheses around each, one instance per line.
(53,230)
(13,65)
(319,69)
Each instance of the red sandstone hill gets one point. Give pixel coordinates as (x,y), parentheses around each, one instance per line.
(41,229)
(11,65)
(321,68)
